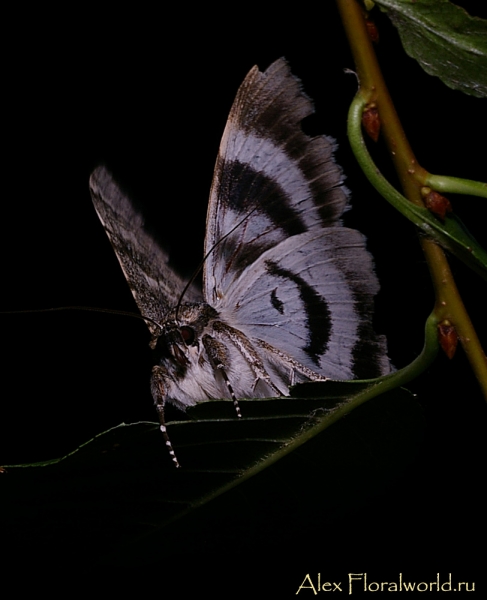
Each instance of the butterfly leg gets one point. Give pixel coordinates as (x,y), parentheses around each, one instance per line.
(297,372)
(159,393)
(218,356)
(246,349)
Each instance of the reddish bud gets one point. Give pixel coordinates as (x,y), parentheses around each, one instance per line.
(371,122)
(436,203)
(372,30)
(448,338)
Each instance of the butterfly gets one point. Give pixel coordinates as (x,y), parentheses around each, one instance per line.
(287,291)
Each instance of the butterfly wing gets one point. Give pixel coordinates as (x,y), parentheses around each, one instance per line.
(271,181)
(155,286)
(308,298)
(284,270)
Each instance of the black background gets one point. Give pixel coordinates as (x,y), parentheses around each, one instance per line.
(147,95)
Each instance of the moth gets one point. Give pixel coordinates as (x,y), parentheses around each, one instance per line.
(287,290)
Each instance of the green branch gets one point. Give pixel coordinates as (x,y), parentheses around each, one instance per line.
(450,234)
(413,178)
(455,185)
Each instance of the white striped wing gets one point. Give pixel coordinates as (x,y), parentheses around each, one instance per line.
(285,272)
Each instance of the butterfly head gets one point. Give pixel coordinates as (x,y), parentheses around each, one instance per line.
(178,340)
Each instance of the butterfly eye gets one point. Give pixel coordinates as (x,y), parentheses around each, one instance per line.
(187,333)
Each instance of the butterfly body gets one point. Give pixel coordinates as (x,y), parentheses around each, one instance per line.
(287,290)
(200,355)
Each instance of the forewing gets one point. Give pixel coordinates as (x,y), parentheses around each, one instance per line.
(271,180)
(155,286)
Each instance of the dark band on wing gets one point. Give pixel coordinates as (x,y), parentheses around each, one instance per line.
(318,314)
(281,106)
(243,189)
(370,351)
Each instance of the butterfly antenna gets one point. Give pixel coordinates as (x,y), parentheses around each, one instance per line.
(200,266)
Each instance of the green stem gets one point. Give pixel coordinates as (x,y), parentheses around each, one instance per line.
(412,176)
(455,185)
(451,234)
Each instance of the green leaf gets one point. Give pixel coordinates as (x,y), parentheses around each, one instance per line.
(445,40)
(121,489)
